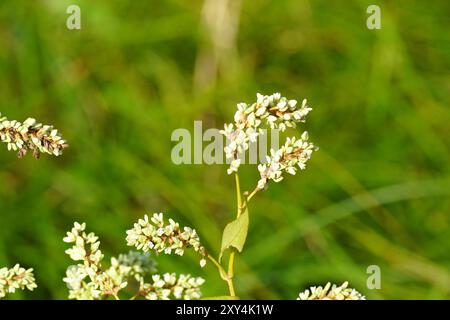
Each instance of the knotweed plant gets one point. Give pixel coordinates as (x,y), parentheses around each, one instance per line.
(273,112)
(134,275)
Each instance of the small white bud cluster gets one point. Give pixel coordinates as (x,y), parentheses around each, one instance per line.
(169,286)
(154,234)
(275,111)
(31,135)
(331,292)
(16,278)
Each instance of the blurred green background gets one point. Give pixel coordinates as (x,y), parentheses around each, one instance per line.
(377,192)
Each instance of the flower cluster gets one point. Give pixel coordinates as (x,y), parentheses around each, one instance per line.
(79,284)
(155,234)
(31,135)
(88,280)
(280,112)
(85,248)
(275,111)
(169,286)
(16,278)
(295,152)
(331,292)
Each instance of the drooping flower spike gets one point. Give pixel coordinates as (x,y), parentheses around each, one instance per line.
(294,153)
(31,136)
(157,235)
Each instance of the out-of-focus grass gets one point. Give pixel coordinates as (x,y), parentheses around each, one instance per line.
(376,193)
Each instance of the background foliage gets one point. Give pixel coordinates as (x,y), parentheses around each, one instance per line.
(377,192)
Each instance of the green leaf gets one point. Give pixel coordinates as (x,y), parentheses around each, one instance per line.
(235,233)
(221,298)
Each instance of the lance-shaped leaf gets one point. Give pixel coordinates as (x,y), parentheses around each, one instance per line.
(235,233)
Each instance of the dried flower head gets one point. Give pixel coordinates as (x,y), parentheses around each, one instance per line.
(31,135)
(331,292)
(16,278)
(155,234)
(275,111)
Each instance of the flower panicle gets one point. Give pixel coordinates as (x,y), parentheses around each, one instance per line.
(31,136)
(275,111)
(87,280)
(12,279)
(156,234)
(331,292)
(85,248)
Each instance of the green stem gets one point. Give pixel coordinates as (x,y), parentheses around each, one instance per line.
(238,214)
(228,276)
(238,195)
(223,273)
(252,194)
(224,276)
